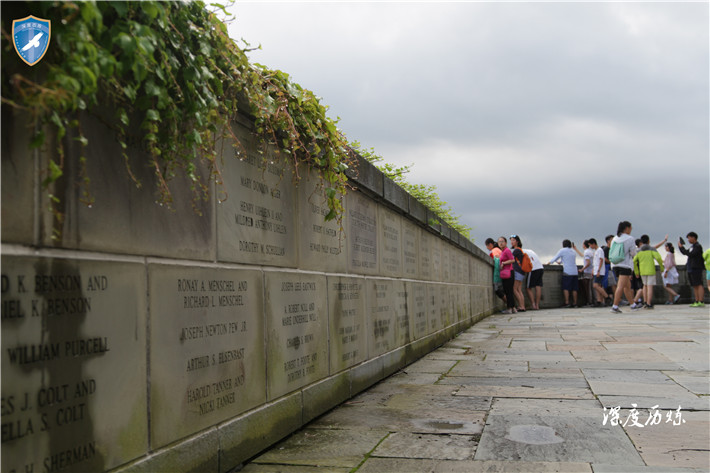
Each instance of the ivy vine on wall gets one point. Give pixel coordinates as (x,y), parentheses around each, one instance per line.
(171,70)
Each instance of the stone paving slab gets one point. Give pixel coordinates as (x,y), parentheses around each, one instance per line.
(258,468)
(430,420)
(696,382)
(329,448)
(555,438)
(428,446)
(667,445)
(647,402)
(526,393)
(553,407)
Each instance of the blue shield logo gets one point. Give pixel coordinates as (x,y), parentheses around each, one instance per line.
(31,38)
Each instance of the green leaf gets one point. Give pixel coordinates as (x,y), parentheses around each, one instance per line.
(37,139)
(55,172)
(152,115)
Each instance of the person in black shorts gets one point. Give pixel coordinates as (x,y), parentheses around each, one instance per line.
(695,267)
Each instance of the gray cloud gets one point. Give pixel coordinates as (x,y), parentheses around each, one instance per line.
(566,116)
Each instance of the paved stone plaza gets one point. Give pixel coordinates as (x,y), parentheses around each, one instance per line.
(527,393)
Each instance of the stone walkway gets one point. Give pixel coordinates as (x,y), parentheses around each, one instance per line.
(527,393)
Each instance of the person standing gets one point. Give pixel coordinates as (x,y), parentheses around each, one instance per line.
(670,274)
(506,274)
(570,278)
(695,267)
(609,278)
(598,271)
(645,268)
(586,272)
(494,252)
(622,263)
(534,287)
(517,249)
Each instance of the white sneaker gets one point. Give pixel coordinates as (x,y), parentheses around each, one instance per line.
(635,306)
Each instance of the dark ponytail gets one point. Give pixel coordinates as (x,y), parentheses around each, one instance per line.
(622,226)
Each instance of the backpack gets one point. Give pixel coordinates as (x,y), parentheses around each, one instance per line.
(525,264)
(616,252)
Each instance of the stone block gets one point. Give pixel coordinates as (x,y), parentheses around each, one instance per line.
(367,176)
(362,234)
(382,317)
(297,331)
(390,243)
(394,361)
(322,396)
(73,363)
(417,306)
(445,306)
(366,374)
(404,317)
(18,178)
(256,224)
(426,254)
(322,244)
(124,218)
(242,438)
(195,455)
(417,210)
(446,266)
(437,259)
(207,347)
(434,307)
(410,249)
(445,230)
(434,222)
(395,195)
(348,326)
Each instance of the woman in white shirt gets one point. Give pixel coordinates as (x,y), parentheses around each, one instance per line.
(670,274)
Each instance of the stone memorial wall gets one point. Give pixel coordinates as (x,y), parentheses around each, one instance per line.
(142,338)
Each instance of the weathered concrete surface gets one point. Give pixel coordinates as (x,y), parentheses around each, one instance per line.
(563,390)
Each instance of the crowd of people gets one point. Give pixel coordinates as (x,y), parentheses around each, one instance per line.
(622,272)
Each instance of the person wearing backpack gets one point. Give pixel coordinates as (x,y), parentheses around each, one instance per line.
(694,266)
(621,254)
(522,267)
(494,252)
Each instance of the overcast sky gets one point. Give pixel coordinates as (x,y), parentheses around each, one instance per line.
(546,120)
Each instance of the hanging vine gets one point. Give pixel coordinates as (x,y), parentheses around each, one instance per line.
(171,70)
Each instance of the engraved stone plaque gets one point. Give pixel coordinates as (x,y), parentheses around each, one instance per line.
(256,223)
(436,259)
(410,250)
(445,305)
(426,268)
(390,232)
(362,234)
(297,328)
(207,347)
(322,244)
(446,260)
(73,364)
(434,307)
(382,317)
(417,305)
(403,317)
(348,328)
